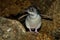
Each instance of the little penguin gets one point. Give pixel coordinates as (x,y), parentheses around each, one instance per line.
(33,20)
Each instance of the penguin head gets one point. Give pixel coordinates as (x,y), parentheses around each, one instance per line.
(31,10)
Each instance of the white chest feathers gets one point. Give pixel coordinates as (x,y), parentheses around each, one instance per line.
(33,23)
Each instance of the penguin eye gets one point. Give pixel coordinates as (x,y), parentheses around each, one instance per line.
(31,10)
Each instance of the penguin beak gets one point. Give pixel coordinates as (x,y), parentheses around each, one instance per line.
(29,13)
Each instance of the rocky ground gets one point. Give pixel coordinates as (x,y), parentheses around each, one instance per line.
(12,10)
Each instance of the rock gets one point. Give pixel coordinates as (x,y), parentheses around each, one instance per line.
(51,27)
(13,7)
(36,36)
(10,29)
(47,26)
